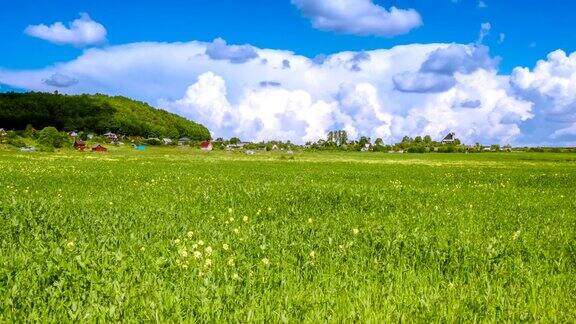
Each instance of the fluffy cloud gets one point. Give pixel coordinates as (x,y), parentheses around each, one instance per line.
(423,82)
(81,32)
(359,17)
(59,80)
(394,92)
(551,85)
(219,50)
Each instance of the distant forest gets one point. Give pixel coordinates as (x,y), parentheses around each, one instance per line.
(94,113)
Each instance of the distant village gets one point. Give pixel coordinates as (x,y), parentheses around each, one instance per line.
(335,141)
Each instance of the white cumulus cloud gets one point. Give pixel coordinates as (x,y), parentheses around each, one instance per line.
(81,32)
(361,92)
(359,17)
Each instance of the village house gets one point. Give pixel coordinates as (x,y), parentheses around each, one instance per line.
(184,141)
(111,137)
(240,145)
(99,148)
(79,145)
(449,139)
(27,149)
(206,146)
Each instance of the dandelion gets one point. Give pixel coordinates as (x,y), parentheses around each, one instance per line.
(355,231)
(231,262)
(194,246)
(225,247)
(70,244)
(236,231)
(266,261)
(177,241)
(200,243)
(245,219)
(235,276)
(208,262)
(184,253)
(197,254)
(190,234)
(208,250)
(312,254)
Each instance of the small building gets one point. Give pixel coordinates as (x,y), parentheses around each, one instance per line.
(79,145)
(449,139)
(99,148)
(206,146)
(236,146)
(111,136)
(274,147)
(184,141)
(27,149)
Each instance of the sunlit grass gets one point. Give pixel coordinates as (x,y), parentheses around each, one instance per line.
(175,234)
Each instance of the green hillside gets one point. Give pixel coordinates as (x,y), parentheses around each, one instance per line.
(94,113)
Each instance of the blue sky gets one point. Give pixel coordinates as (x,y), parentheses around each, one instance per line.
(492,71)
(533,28)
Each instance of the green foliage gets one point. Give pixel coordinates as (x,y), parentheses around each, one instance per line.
(94,113)
(50,137)
(328,237)
(234,140)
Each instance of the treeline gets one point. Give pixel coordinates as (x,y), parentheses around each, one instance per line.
(94,114)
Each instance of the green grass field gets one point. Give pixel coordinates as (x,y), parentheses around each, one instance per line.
(170,235)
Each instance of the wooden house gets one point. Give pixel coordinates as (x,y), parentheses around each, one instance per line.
(79,145)
(99,148)
(449,139)
(206,146)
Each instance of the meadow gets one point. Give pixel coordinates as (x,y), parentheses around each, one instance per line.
(173,234)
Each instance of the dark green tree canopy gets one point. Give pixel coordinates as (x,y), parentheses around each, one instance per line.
(94,113)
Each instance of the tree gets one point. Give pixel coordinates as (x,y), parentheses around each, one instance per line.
(427,139)
(364,141)
(379,142)
(418,139)
(234,140)
(51,138)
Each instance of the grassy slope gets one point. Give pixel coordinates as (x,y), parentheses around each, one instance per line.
(441,237)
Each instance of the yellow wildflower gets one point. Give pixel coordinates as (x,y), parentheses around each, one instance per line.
(225,247)
(236,231)
(235,276)
(190,234)
(197,254)
(266,261)
(208,250)
(245,219)
(231,262)
(312,254)
(207,263)
(200,243)
(355,231)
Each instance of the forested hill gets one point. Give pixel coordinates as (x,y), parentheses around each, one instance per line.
(94,113)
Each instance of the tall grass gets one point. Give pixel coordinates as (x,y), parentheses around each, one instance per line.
(171,235)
